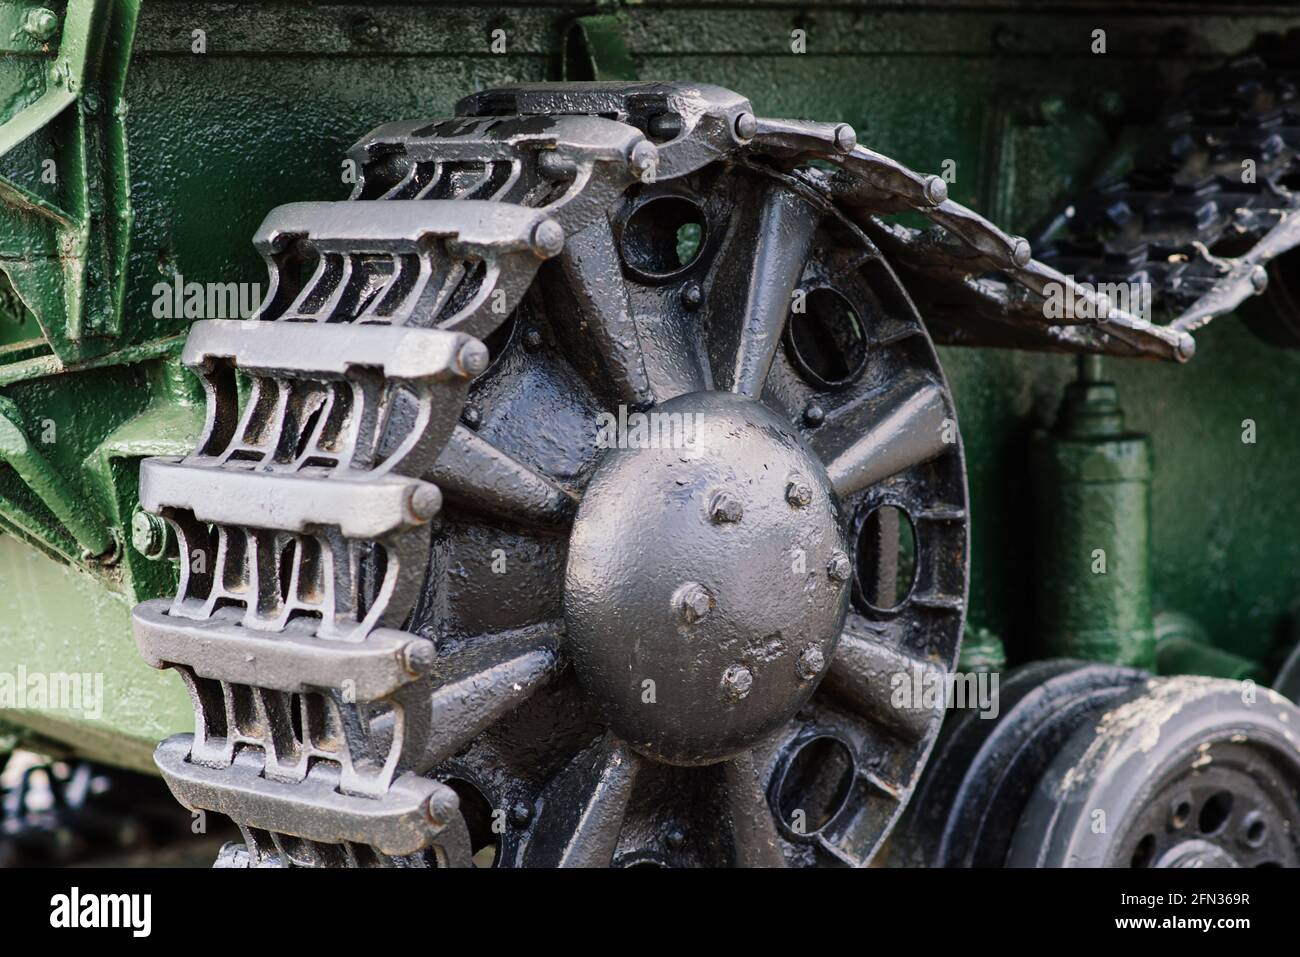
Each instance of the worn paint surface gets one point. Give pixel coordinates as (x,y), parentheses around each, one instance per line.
(1007,92)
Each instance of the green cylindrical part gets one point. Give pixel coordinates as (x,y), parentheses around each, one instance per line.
(1092,529)
(1183,648)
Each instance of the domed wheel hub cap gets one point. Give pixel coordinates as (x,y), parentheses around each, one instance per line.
(708,577)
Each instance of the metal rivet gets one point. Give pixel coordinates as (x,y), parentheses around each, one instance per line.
(845,138)
(473,357)
(532,340)
(520,814)
(839,568)
(724,508)
(426,500)
(736,681)
(813,415)
(471,417)
(692,602)
(798,493)
(936,190)
(810,664)
(1020,251)
(1259,279)
(692,296)
(675,839)
(746,126)
(643,158)
(418,656)
(548,239)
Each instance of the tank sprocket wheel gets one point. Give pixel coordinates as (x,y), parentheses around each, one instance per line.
(603,478)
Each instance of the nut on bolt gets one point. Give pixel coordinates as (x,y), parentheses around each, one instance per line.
(736,681)
(725,508)
(839,568)
(810,664)
(798,493)
(149,534)
(692,602)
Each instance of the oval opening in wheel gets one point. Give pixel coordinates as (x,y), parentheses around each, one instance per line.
(816,785)
(886,559)
(825,339)
(662,237)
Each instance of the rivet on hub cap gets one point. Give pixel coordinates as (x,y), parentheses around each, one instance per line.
(798,493)
(810,664)
(736,681)
(692,602)
(839,568)
(724,508)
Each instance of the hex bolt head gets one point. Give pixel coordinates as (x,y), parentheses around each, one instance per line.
(41,24)
(643,158)
(533,340)
(725,508)
(473,358)
(692,602)
(425,501)
(845,138)
(813,415)
(548,239)
(811,662)
(148,534)
(736,681)
(798,493)
(746,126)
(839,568)
(692,296)
(936,190)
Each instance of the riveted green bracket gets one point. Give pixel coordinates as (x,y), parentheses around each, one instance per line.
(78,516)
(63,244)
